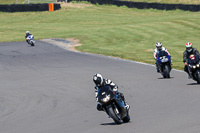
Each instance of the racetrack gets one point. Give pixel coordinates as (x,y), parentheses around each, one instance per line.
(47,89)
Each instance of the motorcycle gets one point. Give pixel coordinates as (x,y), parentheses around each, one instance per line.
(194,67)
(113,105)
(164,63)
(30,40)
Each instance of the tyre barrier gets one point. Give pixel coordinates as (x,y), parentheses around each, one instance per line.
(144,5)
(28,7)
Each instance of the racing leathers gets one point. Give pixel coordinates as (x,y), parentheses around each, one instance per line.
(27,34)
(155,56)
(186,55)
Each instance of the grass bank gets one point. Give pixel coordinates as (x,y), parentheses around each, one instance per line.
(149,1)
(11,2)
(109,30)
(196,2)
(22,1)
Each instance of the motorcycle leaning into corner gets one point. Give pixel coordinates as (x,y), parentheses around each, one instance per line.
(30,40)
(164,63)
(113,105)
(194,67)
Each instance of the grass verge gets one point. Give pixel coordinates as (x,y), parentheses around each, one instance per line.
(148,1)
(24,2)
(196,2)
(109,30)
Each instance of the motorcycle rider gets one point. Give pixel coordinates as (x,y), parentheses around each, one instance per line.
(27,34)
(186,54)
(158,49)
(100,82)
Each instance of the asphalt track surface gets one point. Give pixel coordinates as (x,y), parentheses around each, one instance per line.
(47,89)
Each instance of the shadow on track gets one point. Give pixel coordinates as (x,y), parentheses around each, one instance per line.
(166,78)
(109,124)
(193,84)
(113,123)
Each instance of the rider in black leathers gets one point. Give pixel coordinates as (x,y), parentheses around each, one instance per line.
(100,82)
(186,54)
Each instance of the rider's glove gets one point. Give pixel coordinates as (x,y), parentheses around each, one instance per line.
(185,63)
(96,88)
(115,88)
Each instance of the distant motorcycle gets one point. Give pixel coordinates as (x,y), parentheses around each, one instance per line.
(194,67)
(113,105)
(30,40)
(164,63)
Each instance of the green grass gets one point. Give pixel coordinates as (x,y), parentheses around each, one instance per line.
(110,30)
(149,1)
(168,1)
(20,1)
(11,1)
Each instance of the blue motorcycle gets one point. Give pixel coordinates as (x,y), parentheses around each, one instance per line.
(30,40)
(164,63)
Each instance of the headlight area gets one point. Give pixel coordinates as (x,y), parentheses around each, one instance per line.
(106,99)
(194,66)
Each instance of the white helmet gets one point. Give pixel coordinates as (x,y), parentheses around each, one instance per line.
(159,45)
(98,79)
(27,32)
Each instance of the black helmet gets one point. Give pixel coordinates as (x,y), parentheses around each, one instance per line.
(98,79)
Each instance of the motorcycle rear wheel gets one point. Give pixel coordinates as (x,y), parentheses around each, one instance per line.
(198,79)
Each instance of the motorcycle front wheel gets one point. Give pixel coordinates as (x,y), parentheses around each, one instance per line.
(126,119)
(32,44)
(113,115)
(166,72)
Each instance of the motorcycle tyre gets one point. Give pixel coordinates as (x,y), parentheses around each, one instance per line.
(198,79)
(113,115)
(126,119)
(166,72)
(32,44)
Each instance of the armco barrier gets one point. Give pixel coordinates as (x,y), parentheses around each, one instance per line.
(144,5)
(27,7)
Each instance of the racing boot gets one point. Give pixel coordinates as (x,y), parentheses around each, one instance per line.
(157,68)
(127,106)
(99,107)
(189,77)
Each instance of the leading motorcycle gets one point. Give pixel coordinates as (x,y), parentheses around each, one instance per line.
(164,63)
(194,67)
(30,40)
(113,105)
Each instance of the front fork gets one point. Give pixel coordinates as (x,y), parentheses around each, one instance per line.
(114,108)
